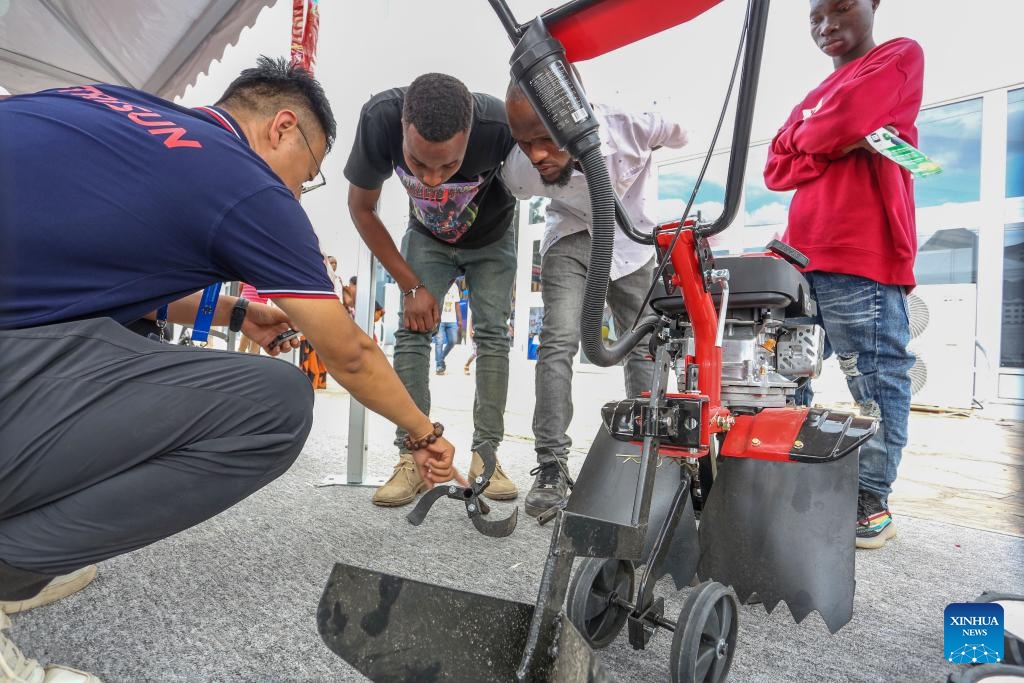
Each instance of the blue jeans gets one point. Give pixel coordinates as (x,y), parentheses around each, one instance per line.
(867,325)
(563,275)
(445,338)
(490,273)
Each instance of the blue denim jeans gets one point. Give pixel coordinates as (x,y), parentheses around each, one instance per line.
(563,275)
(867,325)
(445,339)
(490,273)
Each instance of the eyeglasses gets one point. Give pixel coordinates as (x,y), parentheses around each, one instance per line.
(311,185)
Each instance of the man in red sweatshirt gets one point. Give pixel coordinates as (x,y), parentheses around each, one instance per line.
(853,216)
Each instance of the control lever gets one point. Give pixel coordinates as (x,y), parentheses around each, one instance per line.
(788,253)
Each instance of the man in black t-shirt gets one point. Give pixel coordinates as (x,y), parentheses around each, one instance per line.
(446,145)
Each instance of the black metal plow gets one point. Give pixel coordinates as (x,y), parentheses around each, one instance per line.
(394,630)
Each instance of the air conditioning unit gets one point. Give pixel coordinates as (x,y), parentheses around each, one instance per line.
(942,328)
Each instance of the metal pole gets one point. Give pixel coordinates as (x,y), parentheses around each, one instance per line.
(366,287)
(234,289)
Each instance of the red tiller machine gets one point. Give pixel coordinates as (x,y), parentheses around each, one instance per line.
(773,485)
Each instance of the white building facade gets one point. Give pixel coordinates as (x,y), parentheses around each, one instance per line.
(968,310)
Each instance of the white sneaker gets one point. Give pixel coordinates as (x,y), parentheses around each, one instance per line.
(63,674)
(60,587)
(15,667)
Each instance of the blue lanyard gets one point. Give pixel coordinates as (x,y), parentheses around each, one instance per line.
(204,316)
(208,304)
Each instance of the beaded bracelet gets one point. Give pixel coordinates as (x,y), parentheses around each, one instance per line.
(424,441)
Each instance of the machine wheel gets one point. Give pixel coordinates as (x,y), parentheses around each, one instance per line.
(590,602)
(996,672)
(1013,647)
(705,637)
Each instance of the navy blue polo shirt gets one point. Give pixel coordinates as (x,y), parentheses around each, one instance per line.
(114,202)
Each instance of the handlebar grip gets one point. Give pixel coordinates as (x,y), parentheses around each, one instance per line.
(788,253)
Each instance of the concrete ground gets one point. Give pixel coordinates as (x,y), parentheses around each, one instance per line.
(234,599)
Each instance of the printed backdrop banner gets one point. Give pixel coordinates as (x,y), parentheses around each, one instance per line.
(305,29)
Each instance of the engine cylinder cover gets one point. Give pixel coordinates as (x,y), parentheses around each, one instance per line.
(762,361)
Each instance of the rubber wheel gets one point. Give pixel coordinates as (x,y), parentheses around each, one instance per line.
(705,637)
(589,603)
(984,672)
(1013,647)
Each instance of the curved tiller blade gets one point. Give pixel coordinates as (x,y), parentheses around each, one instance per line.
(475,508)
(426,501)
(496,528)
(481,481)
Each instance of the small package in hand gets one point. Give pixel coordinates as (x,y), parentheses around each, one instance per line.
(896,149)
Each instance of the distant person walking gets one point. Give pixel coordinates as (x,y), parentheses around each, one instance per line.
(447,335)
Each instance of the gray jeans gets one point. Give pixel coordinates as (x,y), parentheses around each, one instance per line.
(112,441)
(563,275)
(490,273)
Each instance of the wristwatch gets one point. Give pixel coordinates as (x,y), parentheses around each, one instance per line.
(238,314)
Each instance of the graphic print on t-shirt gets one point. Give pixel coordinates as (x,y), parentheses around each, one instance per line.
(447,210)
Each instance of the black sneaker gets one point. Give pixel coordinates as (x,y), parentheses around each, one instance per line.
(549,488)
(874,522)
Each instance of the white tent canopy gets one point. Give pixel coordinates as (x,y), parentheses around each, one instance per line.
(159,47)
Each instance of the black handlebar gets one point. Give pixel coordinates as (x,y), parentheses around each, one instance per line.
(757,22)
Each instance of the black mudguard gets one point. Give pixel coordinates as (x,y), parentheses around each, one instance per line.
(786,531)
(606,488)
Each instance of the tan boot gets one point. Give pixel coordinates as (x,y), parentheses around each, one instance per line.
(501,487)
(60,587)
(403,486)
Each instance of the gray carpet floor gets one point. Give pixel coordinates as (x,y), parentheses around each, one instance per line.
(234,599)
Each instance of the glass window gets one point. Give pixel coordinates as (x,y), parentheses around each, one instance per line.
(1012,346)
(947,257)
(676,182)
(763,207)
(535,272)
(1015,143)
(951,136)
(538,209)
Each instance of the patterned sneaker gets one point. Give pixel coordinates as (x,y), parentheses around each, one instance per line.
(874,522)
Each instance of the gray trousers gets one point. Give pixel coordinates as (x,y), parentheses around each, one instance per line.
(563,275)
(111,441)
(490,273)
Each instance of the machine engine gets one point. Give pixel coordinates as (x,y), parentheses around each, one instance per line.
(764,362)
(770,342)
